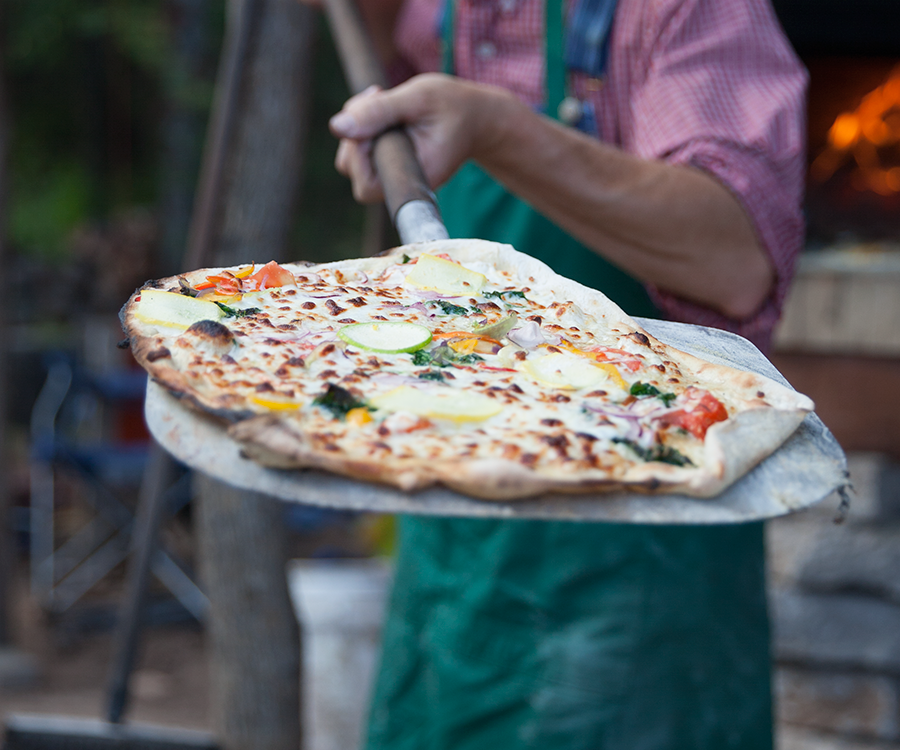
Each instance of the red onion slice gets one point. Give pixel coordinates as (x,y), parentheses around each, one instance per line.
(420,307)
(424,294)
(528,335)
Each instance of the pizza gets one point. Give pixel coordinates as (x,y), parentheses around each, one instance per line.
(460,362)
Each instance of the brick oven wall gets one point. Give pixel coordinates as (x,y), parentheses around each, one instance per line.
(835,604)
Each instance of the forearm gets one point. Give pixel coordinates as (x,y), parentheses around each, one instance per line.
(669,225)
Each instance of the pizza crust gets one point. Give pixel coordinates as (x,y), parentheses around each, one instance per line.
(769,412)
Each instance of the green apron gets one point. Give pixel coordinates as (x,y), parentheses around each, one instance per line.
(504,635)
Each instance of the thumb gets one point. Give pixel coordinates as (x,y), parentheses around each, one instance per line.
(366,115)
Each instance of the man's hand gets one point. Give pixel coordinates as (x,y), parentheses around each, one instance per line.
(448,120)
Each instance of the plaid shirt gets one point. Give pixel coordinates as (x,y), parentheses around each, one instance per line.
(709,83)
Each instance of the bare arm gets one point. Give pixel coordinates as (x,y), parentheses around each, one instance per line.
(672,226)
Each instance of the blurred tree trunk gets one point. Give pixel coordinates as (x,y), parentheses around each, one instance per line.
(267,159)
(255,643)
(182,126)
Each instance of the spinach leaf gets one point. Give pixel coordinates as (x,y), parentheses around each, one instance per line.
(405,259)
(643,389)
(658,452)
(640,389)
(432,375)
(501,295)
(231,312)
(338,401)
(443,356)
(421,358)
(448,308)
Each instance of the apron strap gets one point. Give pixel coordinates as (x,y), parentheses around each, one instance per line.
(583,46)
(556,75)
(448,34)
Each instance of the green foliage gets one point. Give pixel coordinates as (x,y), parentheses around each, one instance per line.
(47,204)
(87,82)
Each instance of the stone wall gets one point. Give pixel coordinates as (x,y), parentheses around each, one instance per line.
(835,605)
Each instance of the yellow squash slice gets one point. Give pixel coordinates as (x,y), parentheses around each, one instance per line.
(449,403)
(171,309)
(571,372)
(435,274)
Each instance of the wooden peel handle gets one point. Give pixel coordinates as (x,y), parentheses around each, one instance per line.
(395,158)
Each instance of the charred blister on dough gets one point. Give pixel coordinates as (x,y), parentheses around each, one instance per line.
(212,334)
(334,308)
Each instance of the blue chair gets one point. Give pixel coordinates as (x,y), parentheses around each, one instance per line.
(67,436)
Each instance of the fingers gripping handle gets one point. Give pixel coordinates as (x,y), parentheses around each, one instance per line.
(392,153)
(405,186)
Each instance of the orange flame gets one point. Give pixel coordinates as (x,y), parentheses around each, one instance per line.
(861,135)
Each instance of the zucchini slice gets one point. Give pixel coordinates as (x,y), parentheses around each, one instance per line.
(387,338)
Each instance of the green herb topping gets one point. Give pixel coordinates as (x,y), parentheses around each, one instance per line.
(338,401)
(500,295)
(658,452)
(231,312)
(443,356)
(640,389)
(421,358)
(405,259)
(448,308)
(432,375)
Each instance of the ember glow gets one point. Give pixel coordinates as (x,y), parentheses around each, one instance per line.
(867,140)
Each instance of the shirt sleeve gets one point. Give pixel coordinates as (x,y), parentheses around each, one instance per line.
(724,92)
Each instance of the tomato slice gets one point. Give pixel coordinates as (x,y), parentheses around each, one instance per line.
(707,411)
(269,276)
(224,283)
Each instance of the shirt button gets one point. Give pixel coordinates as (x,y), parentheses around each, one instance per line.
(486,50)
(570,110)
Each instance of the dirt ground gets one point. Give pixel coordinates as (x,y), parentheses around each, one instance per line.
(169,686)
